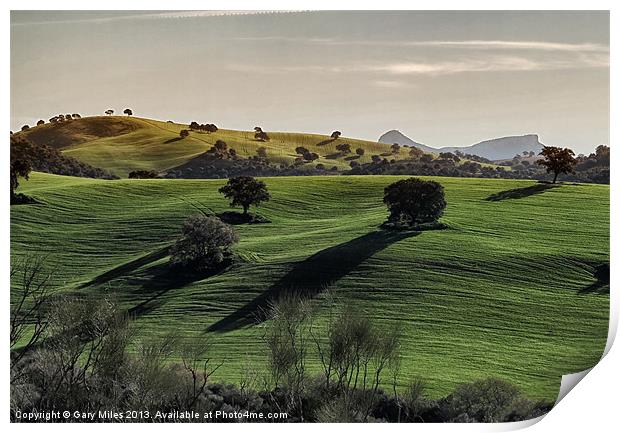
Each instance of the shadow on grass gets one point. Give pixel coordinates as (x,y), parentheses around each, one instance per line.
(172,140)
(237,218)
(325,142)
(22,199)
(601,285)
(126,268)
(517,193)
(162,278)
(311,276)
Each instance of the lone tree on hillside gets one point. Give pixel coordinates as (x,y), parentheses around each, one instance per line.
(204,243)
(25,128)
(557,160)
(109,111)
(183,133)
(336,134)
(261,135)
(21,163)
(360,151)
(344,148)
(40,122)
(245,191)
(19,168)
(414,201)
(128,111)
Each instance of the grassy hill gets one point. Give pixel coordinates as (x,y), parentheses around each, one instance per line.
(122,144)
(509,290)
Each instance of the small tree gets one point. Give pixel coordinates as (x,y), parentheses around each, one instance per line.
(40,122)
(414,201)
(25,128)
(220,146)
(245,191)
(76,116)
(261,136)
(204,243)
(557,160)
(109,112)
(360,151)
(301,150)
(376,158)
(19,168)
(183,133)
(128,111)
(344,148)
(335,134)
(395,148)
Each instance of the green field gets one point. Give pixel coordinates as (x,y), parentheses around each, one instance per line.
(508,290)
(122,144)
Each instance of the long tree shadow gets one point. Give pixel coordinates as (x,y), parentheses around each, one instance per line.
(517,193)
(161,279)
(126,268)
(601,285)
(325,142)
(312,275)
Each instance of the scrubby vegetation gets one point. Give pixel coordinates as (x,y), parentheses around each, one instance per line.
(84,357)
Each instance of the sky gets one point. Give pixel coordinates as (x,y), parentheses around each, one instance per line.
(442,78)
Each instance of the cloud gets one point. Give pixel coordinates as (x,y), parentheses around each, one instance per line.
(487,63)
(492,64)
(515,45)
(390,84)
(153,16)
(468,44)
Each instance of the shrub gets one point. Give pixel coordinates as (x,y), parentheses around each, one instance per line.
(414,201)
(204,243)
(183,133)
(143,174)
(344,148)
(486,400)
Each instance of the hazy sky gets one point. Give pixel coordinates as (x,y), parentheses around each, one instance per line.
(442,78)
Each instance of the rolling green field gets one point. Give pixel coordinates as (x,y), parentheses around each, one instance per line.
(508,290)
(122,144)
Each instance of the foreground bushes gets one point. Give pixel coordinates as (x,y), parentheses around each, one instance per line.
(80,360)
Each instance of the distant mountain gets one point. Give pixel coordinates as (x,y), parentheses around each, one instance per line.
(497,148)
(395,136)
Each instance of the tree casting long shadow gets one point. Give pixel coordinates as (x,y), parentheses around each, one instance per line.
(517,193)
(312,275)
